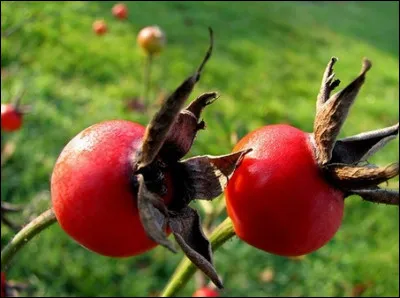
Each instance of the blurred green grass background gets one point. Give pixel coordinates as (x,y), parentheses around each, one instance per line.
(267,66)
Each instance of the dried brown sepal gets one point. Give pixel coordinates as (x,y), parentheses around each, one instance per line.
(360,147)
(358,177)
(153,213)
(332,114)
(378,195)
(183,132)
(209,175)
(327,84)
(158,128)
(197,105)
(188,233)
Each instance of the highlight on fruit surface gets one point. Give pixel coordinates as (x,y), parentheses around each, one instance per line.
(119,189)
(287,197)
(152,39)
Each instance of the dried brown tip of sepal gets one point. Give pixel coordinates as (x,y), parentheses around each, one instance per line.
(188,234)
(378,195)
(197,105)
(327,84)
(158,128)
(153,215)
(359,177)
(331,115)
(360,147)
(182,134)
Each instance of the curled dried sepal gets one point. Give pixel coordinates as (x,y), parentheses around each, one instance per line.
(197,105)
(158,128)
(378,195)
(182,134)
(358,177)
(209,175)
(327,85)
(355,149)
(153,215)
(188,233)
(331,115)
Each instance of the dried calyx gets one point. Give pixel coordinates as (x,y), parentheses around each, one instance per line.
(344,161)
(168,138)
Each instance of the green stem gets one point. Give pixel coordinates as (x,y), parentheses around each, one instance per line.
(40,223)
(186,269)
(147,76)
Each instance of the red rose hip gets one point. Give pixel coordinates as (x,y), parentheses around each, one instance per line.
(91,190)
(11,118)
(100,27)
(287,196)
(205,292)
(278,199)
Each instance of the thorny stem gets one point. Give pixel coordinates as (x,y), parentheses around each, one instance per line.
(37,225)
(186,268)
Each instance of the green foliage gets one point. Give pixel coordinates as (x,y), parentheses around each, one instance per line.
(267,66)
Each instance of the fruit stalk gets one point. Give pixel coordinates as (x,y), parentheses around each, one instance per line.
(37,225)
(147,76)
(186,268)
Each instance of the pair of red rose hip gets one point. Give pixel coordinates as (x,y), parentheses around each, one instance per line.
(285,193)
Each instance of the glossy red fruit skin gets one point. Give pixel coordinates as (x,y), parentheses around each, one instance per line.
(277,198)
(205,292)
(91,191)
(120,11)
(11,119)
(100,27)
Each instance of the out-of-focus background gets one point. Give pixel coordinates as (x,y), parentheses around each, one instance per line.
(267,66)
